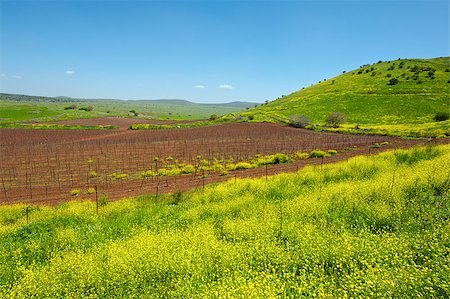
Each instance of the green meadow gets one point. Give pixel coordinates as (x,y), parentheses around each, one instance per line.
(369,227)
(16,108)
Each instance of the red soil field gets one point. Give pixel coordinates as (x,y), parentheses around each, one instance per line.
(43,166)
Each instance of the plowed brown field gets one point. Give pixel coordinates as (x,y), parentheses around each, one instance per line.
(43,166)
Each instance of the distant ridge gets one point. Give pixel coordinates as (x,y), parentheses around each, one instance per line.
(22,97)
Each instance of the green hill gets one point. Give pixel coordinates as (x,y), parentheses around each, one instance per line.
(394,93)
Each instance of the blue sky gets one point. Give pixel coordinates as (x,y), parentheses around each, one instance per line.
(205,51)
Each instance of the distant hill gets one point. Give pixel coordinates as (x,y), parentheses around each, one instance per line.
(21,97)
(399,92)
(24,107)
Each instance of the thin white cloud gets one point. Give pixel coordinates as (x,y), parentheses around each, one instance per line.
(16,77)
(70,72)
(200,86)
(226,86)
(3,75)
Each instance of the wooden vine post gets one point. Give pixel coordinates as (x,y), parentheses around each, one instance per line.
(96,198)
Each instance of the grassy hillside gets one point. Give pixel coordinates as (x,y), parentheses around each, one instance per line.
(372,227)
(366,96)
(21,108)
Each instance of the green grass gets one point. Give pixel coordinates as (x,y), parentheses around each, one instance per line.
(367,99)
(24,112)
(16,125)
(372,227)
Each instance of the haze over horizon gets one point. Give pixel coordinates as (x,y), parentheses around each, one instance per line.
(205,51)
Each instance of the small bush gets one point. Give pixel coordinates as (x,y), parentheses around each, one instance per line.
(87,109)
(442,116)
(71,107)
(335,119)
(301,156)
(162,172)
(177,197)
(332,152)
(148,174)
(103,200)
(393,81)
(90,190)
(299,121)
(280,158)
(75,192)
(317,154)
(243,165)
(213,117)
(119,176)
(92,174)
(187,169)
(231,166)
(243,119)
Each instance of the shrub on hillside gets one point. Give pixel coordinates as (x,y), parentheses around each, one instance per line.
(88,108)
(71,107)
(335,119)
(299,121)
(393,81)
(442,116)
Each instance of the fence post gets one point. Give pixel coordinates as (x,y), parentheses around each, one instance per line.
(266,172)
(96,197)
(157,190)
(203,180)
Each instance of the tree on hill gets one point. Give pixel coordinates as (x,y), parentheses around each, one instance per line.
(393,81)
(299,121)
(442,116)
(88,108)
(335,119)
